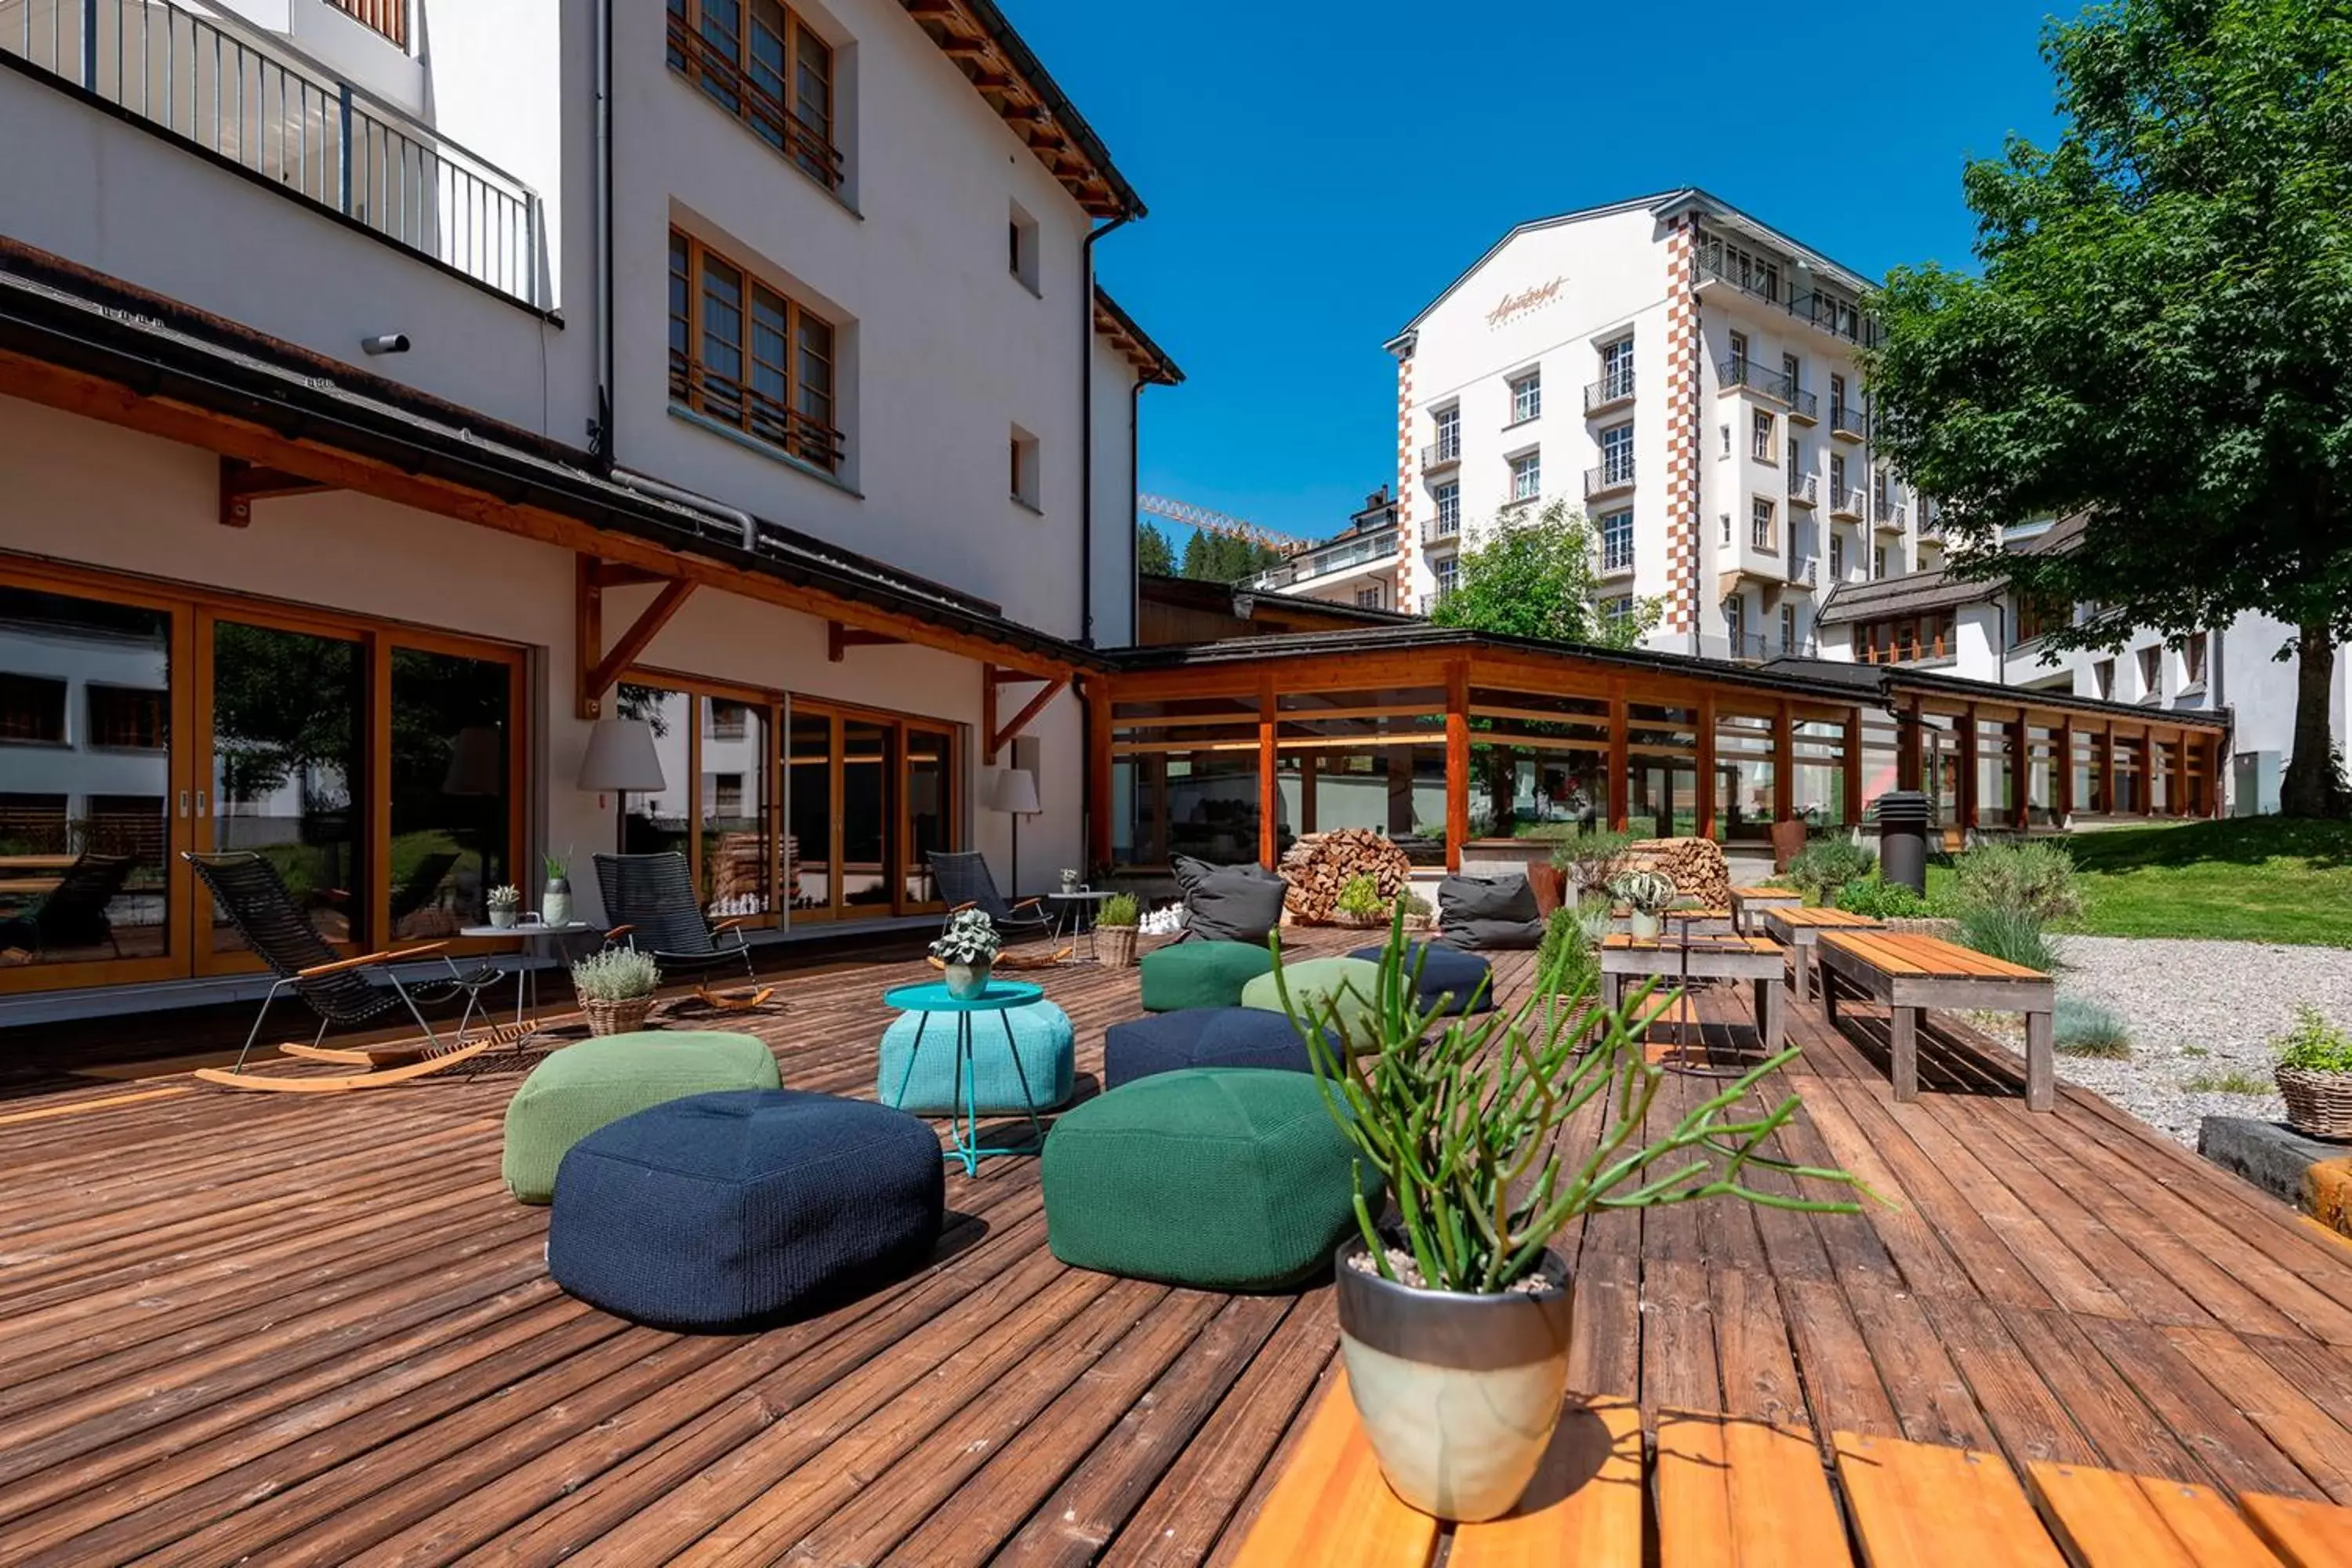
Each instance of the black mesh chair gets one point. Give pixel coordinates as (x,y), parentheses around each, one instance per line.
(652,906)
(343,992)
(966,883)
(73,914)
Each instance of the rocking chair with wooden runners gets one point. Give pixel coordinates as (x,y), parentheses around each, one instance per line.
(651,900)
(966,883)
(339,990)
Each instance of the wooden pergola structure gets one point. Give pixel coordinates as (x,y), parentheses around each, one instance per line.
(1219,749)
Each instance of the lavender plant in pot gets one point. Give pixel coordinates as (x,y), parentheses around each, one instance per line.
(1453,1311)
(967,948)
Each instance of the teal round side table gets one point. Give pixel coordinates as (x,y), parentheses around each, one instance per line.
(999,997)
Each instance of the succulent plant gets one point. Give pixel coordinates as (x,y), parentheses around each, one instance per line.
(1645,892)
(969,938)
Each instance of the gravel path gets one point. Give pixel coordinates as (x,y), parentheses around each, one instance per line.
(2196,1009)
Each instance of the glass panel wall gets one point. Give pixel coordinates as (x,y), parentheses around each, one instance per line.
(1538,760)
(1744,783)
(1817,793)
(1662,771)
(1184,780)
(736,871)
(809,813)
(930,796)
(452,770)
(655,822)
(869,758)
(869,798)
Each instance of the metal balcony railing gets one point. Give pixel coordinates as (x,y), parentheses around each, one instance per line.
(1616,556)
(1609,391)
(1710,265)
(1806,572)
(1441,455)
(1445,527)
(1779,385)
(1607,477)
(1327,562)
(1845,420)
(1801,490)
(1892,515)
(243,96)
(1846,501)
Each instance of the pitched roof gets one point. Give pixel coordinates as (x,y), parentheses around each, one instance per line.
(1150,360)
(1905,595)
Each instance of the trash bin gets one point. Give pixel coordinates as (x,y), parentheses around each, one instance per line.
(1902,817)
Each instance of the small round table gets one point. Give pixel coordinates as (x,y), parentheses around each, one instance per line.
(530,933)
(1073,916)
(1000,996)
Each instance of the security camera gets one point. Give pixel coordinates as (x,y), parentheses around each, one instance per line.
(386,344)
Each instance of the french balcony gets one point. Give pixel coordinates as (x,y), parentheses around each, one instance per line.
(240,95)
(1845,422)
(1610,392)
(1617,561)
(1803,489)
(1805,408)
(1890,517)
(1608,479)
(1444,528)
(1805,573)
(1439,456)
(1845,503)
(1739,370)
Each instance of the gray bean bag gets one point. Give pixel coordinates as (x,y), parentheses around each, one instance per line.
(1489,912)
(1227,903)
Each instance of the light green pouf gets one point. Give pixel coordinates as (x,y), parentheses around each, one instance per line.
(1352,983)
(582,1088)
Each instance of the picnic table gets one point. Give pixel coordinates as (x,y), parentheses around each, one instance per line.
(1701,955)
(1733,1491)
(1798,927)
(1909,972)
(1747,900)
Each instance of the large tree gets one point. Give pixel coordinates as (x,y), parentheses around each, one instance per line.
(2160,339)
(1153,556)
(1539,578)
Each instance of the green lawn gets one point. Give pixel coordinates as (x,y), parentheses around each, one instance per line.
(2253,878)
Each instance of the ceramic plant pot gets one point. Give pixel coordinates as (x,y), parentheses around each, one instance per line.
(504,919)
(1458,1394)
(966,980)
(555,902)
(1647,927)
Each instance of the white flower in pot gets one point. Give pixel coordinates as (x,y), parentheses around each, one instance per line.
(1647,895)
(968,950)
(1455,1314)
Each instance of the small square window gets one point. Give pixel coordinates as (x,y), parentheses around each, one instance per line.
(2151,671)
(1021,450)
(1021,248)
(2193,660)
(2103,680)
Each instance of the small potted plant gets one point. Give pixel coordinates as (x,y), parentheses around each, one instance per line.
(968,948)
(1647,895)
(1114,930)
(555,894)
(503,900)
(2314,1074)
(615,989)
(1454,1316)
(1417,910)
(1359,903)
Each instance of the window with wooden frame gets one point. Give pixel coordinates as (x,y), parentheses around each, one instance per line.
(746,355)
(762,64)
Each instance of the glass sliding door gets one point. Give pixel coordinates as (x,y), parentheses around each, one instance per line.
(809,794)
(453,788)
(653,822)
(869,826)
(736,869)
(929,794)
(869,798)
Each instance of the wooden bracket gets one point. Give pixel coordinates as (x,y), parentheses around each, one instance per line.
(993,737)
(599,669)
(243,483)
(839,639)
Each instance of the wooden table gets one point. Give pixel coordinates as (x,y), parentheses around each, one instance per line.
(1744,899)
(1797,929)
(1701,956)
(1909,972)
(1731,1493)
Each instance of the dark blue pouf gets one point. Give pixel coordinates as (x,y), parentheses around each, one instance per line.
(1447,970)
(720,1213)
(1202,1038)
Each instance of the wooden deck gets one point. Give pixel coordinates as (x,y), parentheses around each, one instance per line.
(300,1330)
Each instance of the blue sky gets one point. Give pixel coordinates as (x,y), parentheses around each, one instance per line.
(1316,172)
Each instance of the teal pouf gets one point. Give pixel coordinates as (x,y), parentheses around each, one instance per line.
(1219,1178)
(1044,1043)
(1201,974)
(583,1088)
(1353,982)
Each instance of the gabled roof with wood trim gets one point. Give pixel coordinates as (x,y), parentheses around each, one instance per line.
(1151,363)
(978,41)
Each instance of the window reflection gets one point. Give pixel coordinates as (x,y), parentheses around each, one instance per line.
(738,858)
(654,822)
(288,712)
(868,808)
(452,782)
(808,784)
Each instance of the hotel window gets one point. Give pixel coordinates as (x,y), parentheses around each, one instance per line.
(2151,671)
(1735,622)
(1448,573)
(1449,433)
(32,709)
(2193,660)
(772,73)
(1878,562)
(1793,369)
(2103,680)
(1620,608)
(1617,454)
(1617,541)
(1526,476)
(1761,533)
(1727,439)
(1526,396)
(1725,519)
(1367,598)
(1617,370)
(1764,436)
(1021,248)
(729,720)
(1837,397)
(126,718)
(1837,476)
(727,794)
(1787,628)
(1449,509)
(746,355)
(1744,269)
(1837,557)
(1021,473)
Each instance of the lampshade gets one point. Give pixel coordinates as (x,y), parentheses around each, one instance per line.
(621,757)
(1016,792)
(477,762)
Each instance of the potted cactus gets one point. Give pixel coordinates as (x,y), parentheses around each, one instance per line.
(968,950)
(503,901)
(1453,1315)
(617,989)
(1647,895)
(1114,930)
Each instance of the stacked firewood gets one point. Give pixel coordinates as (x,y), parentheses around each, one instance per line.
(1697,865)
(1320,867)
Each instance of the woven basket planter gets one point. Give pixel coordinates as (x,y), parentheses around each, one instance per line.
(1116,945)
(2318,1104)
(616,1017)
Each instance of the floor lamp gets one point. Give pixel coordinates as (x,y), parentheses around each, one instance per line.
(621,758)
(1015,794)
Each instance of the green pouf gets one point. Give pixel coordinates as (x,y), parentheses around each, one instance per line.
(1353,982)
(1221,1178)
(1201,974)
(582,1088)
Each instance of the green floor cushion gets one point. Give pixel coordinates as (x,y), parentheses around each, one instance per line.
(1043,1048)
(1352,983)
(1201,974)
(1221,1178)
(584,1086)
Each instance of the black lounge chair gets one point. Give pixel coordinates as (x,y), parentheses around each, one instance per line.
(73,914)
(651,901)
(339,990)
(966,883)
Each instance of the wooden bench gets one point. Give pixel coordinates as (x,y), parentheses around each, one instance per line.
(1797,929)
(1747,901)
(1909,973)
(1670,958)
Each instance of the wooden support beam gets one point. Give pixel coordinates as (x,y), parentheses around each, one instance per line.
(1098,772)
(595,682)
(1910,744)
(1307,793)
(2179,801)
(614,574)
(988,684)
(243,483)
(1457,760)
(1966,795)
(2216,780)
(1704,763)
(1852,760)
(2106,760)
(1784,764)
(839,639)
(1620,781)
(2020,772)
(1000,739)
(2063,782)
(587,626)
(1270,779)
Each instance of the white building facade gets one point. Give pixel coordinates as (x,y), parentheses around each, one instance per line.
(769,392)
(1682,374)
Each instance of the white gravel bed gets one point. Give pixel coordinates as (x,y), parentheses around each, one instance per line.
(2197,1009)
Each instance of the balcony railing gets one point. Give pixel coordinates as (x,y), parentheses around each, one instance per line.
(1839,317)
(1327,562)
(1616,557)
(694,385)
(1445,528)
(1608,477)
(1805,572)
(1805,407)
(1846,501)
(1801,490)
(247,97)
(773,121)
(1845,421)
(1757,282)
(1892,516)
(1779,385)
(1441,455)
(1609,391)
